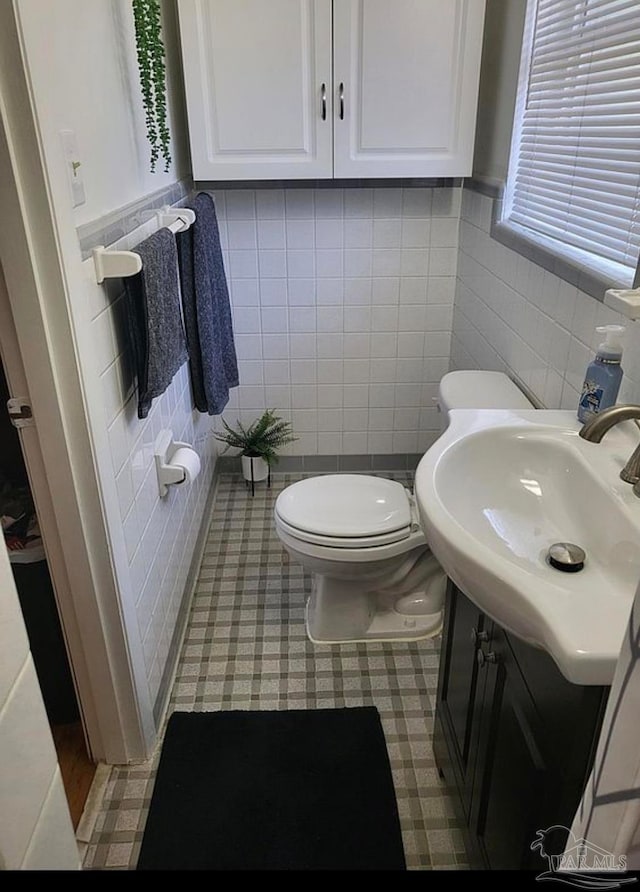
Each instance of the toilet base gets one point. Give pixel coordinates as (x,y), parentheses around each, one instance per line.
(407,603)
(386,625)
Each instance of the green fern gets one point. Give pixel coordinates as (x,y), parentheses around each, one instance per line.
(261,439)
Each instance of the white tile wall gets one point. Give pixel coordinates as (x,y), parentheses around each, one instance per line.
(159,534)
(33,808)
(512,315)
(343,304)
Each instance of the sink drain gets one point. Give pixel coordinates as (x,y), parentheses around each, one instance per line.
(567,557)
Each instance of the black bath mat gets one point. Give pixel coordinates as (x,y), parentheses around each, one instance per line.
(286,790)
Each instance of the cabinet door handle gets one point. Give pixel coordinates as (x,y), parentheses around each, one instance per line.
(478,637)
(323,98)
(341,98)
(484,658)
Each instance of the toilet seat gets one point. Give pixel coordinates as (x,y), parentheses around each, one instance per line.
(341,515)
(343,541)
(346,552)
(346,508)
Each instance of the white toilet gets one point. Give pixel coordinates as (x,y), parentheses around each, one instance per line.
(374,577)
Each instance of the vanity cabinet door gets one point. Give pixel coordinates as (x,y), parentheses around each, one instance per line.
(460,693)
(258,87)
(511,776)
(513,738)
(405,78)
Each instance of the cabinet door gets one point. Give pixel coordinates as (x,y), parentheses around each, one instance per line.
(509,786)
(459,690)
(408,72)
(255,76)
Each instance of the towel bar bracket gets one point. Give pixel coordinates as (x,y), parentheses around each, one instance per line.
(112,264)
(175,218)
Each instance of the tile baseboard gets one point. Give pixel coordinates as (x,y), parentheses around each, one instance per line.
(168,676)
(315,464)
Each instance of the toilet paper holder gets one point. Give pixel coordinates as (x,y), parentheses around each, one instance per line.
(169,474)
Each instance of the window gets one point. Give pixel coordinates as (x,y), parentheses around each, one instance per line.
(574,175)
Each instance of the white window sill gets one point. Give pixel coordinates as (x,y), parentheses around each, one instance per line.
(586,272)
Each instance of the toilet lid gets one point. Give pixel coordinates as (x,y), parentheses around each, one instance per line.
(345,505)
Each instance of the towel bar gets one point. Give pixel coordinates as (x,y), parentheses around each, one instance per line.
(117,264)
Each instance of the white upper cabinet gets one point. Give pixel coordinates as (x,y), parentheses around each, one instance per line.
(294,89)
(406,80)
(258,84)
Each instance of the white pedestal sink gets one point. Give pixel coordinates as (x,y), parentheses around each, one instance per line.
(498,489)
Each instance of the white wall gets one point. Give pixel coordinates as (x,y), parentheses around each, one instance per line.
(503,27)
(89,84)
(35,826)
(512,315)
(342,303)
(81,62)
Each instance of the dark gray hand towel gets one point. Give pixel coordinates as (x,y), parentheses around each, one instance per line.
(155,322)
(207,311)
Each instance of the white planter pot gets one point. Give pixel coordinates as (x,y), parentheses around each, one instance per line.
(260,468)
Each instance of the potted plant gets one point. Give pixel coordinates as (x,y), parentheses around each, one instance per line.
(150,50)
(258,444)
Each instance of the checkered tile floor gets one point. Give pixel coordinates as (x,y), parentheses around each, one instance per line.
(246,648)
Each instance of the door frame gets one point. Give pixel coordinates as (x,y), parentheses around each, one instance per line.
(38,303)
(15,374)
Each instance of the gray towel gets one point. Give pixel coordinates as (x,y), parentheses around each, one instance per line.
(155,323)
(207,312)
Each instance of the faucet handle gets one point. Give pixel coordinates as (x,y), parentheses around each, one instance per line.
(631,471)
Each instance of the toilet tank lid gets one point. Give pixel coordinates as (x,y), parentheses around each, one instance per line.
(480,390)
(349,505)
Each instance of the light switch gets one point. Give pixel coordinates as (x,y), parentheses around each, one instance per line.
(74,167)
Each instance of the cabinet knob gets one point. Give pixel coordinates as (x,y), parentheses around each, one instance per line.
(341,98)
(484,658)
(478,637)
(323,99)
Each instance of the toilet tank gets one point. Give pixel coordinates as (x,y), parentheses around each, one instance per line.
(478,390)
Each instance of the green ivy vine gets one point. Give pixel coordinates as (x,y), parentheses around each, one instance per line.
(153,84)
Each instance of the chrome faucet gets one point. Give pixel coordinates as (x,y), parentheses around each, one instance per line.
(596,427)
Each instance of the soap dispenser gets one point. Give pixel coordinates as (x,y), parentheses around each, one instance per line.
(604,374)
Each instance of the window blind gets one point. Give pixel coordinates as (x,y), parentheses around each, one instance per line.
(575,164)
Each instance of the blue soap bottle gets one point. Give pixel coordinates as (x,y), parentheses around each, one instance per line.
(604,374)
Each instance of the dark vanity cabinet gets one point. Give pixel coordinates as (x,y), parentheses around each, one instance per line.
(513,738)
